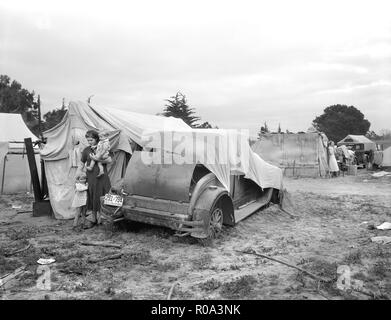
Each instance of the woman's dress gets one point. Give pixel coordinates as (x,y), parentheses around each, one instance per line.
(333,165)
(97,187)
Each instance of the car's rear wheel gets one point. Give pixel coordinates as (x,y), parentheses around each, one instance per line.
(214,224)
(216,221)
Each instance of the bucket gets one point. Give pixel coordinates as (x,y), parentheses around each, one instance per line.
(352,170)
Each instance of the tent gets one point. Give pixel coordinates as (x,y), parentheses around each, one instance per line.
(65,141)
(386,157)
(14,168)
(359,142)
(300,154)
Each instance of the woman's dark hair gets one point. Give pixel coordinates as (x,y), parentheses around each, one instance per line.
(92,134)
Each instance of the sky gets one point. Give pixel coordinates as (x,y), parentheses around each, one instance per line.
(239,63)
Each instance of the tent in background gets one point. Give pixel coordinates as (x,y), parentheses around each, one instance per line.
(14,168)
(386,157)
(65,142)
(359,143)
(300,154)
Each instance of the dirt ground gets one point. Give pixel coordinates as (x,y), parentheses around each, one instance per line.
(331,238)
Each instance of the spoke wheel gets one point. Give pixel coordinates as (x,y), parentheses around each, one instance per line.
(215,222)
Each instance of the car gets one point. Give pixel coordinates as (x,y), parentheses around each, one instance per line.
(187,198)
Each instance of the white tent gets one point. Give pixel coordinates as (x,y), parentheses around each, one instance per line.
(14,169)
(386,157)
(66,141)
(352,139)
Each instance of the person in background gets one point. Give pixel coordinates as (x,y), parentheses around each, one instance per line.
(97,187)
(333,165)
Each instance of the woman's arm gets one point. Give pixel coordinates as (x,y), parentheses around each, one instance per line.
(107,160)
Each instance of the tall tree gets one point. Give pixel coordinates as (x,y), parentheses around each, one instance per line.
(337,121)
(15,99)
(264,129)
(279,128)
(177,107)
(53,117)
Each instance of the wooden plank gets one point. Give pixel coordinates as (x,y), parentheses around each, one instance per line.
(33,169)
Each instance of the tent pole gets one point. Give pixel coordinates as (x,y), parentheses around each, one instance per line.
(33,169)
(2,180)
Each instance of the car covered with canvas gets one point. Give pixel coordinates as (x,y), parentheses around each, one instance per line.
(220,181)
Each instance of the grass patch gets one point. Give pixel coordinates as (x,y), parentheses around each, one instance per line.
(138,257)
(166,266)
(353,257)
(210,285)
(238,288)
(202,262)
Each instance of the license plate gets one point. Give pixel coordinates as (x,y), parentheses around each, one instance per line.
(113,200)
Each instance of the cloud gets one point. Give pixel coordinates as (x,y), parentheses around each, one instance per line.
(239,64)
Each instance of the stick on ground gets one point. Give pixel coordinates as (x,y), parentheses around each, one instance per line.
(171,290)
(287,264)
(11,276)
(112,257)
(101,244)
(18,251)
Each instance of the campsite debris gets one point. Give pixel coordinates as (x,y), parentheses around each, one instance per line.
(101,244)
(384,226)
(111,257)
(380,174)
(171,290)
(287,264)
(12,275)
(18,251)
(27,211)
(371,226)
(45,261)
(381,239)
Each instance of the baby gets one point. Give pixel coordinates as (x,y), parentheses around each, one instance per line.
(80,198)
(101,152)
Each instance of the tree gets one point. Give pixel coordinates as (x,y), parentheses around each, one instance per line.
(337,121)
(204,125)
(372,135)
(54,117)
(279,128)
(15,99)
(177,107)
(264,129)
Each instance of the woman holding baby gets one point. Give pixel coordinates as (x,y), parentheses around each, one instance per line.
(95,159)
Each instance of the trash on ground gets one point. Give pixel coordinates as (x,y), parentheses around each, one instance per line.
(381,239)
(46,261)
(380,174)
(384,226)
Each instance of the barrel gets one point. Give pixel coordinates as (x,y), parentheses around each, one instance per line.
(352,170)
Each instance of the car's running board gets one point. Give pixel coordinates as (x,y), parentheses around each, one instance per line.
(252,207)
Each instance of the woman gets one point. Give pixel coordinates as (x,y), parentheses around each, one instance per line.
(97,186)
(333,165)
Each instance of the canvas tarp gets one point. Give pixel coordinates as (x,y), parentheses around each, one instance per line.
(14,168)
(386,157)
(61,152)
(302,154)
(352,139)
(13,128)
(223,152)
(66,141)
